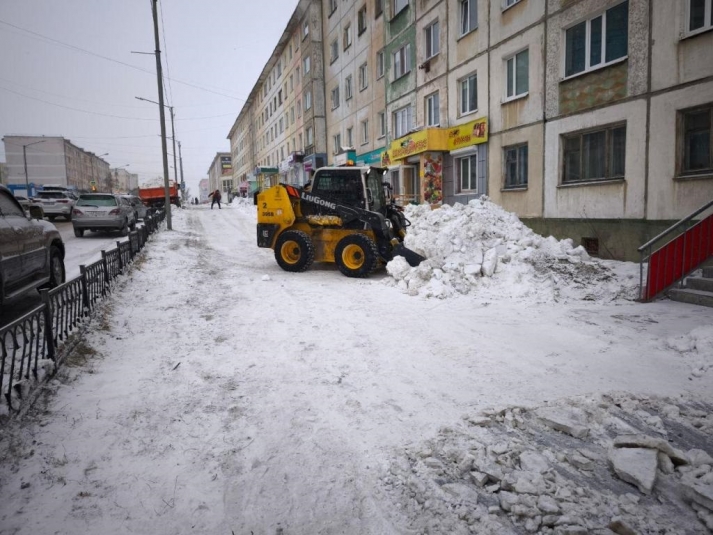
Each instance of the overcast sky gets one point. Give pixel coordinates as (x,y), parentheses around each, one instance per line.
(53,82)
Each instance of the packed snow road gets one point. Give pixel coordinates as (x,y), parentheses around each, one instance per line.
(218,394)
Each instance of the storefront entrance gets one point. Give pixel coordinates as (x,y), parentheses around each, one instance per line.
(405,184)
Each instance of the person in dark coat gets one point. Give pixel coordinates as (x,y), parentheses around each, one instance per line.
(216,198)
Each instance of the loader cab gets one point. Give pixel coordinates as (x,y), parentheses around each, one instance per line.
(352,186)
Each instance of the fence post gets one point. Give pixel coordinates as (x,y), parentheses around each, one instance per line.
(121,259)
(105,265)
(85,290)
(45,295)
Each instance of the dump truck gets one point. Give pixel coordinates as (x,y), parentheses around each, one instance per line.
(155,196)
(346,216)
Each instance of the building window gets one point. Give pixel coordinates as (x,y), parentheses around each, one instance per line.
(515,166)
(361,19)
(348,87)
(305,30)
(594,154)
(700,15)
(365,131)
(337,141)
(432,110)
(466,168)
(432,40)
(347,36)
(402,122)
(350,137)
(363,77)
(306,65)
(379,64)
(308,100)
(508,3)
(696,146)
(402,61)
(335,98)
(399,6)
(467,16)
(518,78)
(332,7)
(596,42)
(378,8)
(333,51)
(468,94)
(297,74)
(299,108)
(381,116)
(292,115)
(310,136)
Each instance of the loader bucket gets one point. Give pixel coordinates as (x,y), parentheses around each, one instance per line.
(412,257)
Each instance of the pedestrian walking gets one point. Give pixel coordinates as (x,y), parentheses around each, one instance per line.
(216,198)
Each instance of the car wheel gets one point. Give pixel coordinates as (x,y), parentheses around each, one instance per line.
(57,272)
(78,232)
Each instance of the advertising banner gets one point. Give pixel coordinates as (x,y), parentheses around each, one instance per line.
(467,134)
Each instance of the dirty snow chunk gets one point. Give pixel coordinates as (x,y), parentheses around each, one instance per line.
(266,278)
(618,526)
(479,478)
(548,505)
(490,262)
(699,457)
(665,463)
(636,466)
(568,421)
(643,441)
(700,494)
(580,461)
(508,500)
(398,268)
(533,462)
(462,493)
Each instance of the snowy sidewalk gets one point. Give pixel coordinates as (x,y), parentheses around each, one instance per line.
(217,394)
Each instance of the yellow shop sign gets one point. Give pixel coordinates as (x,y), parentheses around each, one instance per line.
(431,139)
(467,134)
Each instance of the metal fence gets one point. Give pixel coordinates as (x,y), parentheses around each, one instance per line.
(32,345)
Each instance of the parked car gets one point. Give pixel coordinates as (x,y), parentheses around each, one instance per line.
(140,210)
(56,203)
(102,212)
(31,250)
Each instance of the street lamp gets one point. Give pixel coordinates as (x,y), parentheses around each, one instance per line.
(24,158)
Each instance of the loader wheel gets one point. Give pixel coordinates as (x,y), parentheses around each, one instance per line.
(356,255)
(294,251)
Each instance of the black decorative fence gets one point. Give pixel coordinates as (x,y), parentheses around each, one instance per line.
(31,346)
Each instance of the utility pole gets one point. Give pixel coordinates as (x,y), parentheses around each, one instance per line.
(159,76)
(180,159)
(173,137)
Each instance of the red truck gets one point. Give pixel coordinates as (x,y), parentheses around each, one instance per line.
(155,197)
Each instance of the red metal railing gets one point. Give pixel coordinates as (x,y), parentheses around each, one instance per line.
(672,262)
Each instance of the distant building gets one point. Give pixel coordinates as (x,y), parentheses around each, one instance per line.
(203,190)
(123,181)
(53,161)
(220,174)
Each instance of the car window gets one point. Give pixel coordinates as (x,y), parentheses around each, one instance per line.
(97,200)
(51,195)
(8,207)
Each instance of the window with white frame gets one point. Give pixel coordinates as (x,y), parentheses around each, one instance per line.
(365,131)
(432,39)
(700,15)
(350,137)
(310,136)
(348,87)
(695,127)
(361,20)
(334,51)
(597,154)
(306,65)
(305,30)
(335,97)
(308,100)
(466,169)
(518,78)
(402,61)
(347,36)
(292,115)
(508,3)
(432,110)
(467,16)
(468,94)
(379,64)
(515,158)
(598,41)
(398,6)
(381,117)
(363,77)
(337,143)
(402,122)
(299,108)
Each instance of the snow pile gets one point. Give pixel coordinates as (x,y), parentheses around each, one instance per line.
(155,182)
(696,347)
(481,247)
(612,463)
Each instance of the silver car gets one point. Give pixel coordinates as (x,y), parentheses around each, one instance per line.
(56,203)
(102,212)
(140,211)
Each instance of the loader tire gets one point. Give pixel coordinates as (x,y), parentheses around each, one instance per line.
(356,255)
(294,251)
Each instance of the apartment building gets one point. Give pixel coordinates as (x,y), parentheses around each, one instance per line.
(38,161)
(220,174)
(589,119)
(124,181)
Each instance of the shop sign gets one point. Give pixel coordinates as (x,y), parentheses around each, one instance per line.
(431,139)
(468,134)
(260,170)
(296,157)
(370,158)
(345,157)
(226,165)
(284,166)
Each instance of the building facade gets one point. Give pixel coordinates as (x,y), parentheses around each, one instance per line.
(589,119)
(40,161)
(220,175)
(123,181)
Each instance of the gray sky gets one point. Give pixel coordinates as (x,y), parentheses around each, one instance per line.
(48,86)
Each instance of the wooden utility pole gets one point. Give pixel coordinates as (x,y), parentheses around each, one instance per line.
(159,75)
